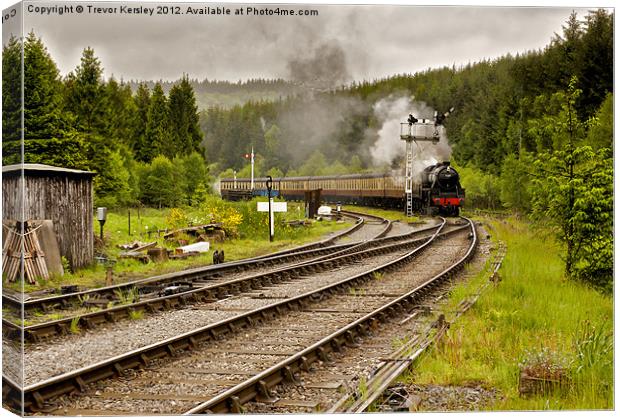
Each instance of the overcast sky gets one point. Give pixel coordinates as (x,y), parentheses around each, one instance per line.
(344,42)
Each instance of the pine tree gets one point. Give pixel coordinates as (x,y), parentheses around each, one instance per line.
(157,132)
(355,165)
(12,90)
(139,143)
(184,119)
(121,111)
(86,96)
(43,114)
(596,62)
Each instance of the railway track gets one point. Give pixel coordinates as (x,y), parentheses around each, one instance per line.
(110,293)
(90,345)
(36,395)
(214,289)
(259,388)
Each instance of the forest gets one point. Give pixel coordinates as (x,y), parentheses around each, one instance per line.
(531,132)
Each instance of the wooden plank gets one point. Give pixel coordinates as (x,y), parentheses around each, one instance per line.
(324,385)
(297,403)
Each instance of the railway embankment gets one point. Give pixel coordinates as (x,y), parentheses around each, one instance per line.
(536,340)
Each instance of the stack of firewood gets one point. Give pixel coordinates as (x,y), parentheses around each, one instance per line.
(34,259)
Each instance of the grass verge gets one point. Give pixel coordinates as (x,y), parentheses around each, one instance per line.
(533,312)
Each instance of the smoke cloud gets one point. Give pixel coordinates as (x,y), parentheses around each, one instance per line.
(313,122)
(324,69)
(388,147)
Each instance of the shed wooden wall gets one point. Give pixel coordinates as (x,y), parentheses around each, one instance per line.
(66,199)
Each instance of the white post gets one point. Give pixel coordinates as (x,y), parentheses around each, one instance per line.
(252,163)
(235,179)
(271,221)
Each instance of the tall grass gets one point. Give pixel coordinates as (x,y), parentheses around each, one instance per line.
(534,309)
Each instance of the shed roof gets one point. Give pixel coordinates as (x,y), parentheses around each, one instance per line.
(43,168)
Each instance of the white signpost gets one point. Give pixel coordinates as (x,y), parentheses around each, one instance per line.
(275,207)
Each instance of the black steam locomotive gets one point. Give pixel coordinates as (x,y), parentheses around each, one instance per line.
(437,192)
(441,189)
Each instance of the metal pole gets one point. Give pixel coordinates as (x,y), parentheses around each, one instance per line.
(268,184)
(252,164)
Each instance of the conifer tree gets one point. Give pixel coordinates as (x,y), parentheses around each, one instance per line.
(120,115)
(573,192)
(12,90)
(142,101)
(184,119)
(157,132)
(43,114)
(86,96)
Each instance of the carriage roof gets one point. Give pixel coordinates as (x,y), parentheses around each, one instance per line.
(307,178)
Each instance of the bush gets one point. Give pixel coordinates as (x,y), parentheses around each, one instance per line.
(215,209)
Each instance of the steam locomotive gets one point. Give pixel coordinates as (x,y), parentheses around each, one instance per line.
(438,190)
(441,189)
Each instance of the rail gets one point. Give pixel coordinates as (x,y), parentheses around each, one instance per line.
(36,395)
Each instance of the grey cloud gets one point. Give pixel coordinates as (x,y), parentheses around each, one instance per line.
(362,42)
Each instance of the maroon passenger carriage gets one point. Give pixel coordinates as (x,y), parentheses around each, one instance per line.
(439,190)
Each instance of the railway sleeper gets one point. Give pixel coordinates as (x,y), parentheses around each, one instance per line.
(93,321)
(113,316)
(154,306)
(38,335)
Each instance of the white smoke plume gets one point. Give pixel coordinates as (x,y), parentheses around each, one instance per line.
(388,147)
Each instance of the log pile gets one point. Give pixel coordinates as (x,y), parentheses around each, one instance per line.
(33,256)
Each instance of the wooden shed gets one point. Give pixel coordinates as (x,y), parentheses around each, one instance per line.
(59,194)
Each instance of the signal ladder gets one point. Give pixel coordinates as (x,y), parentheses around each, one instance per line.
(409,178)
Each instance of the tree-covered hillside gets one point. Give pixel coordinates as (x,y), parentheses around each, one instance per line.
(226,94)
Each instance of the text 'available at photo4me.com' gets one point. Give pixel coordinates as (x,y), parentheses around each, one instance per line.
(193,9)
